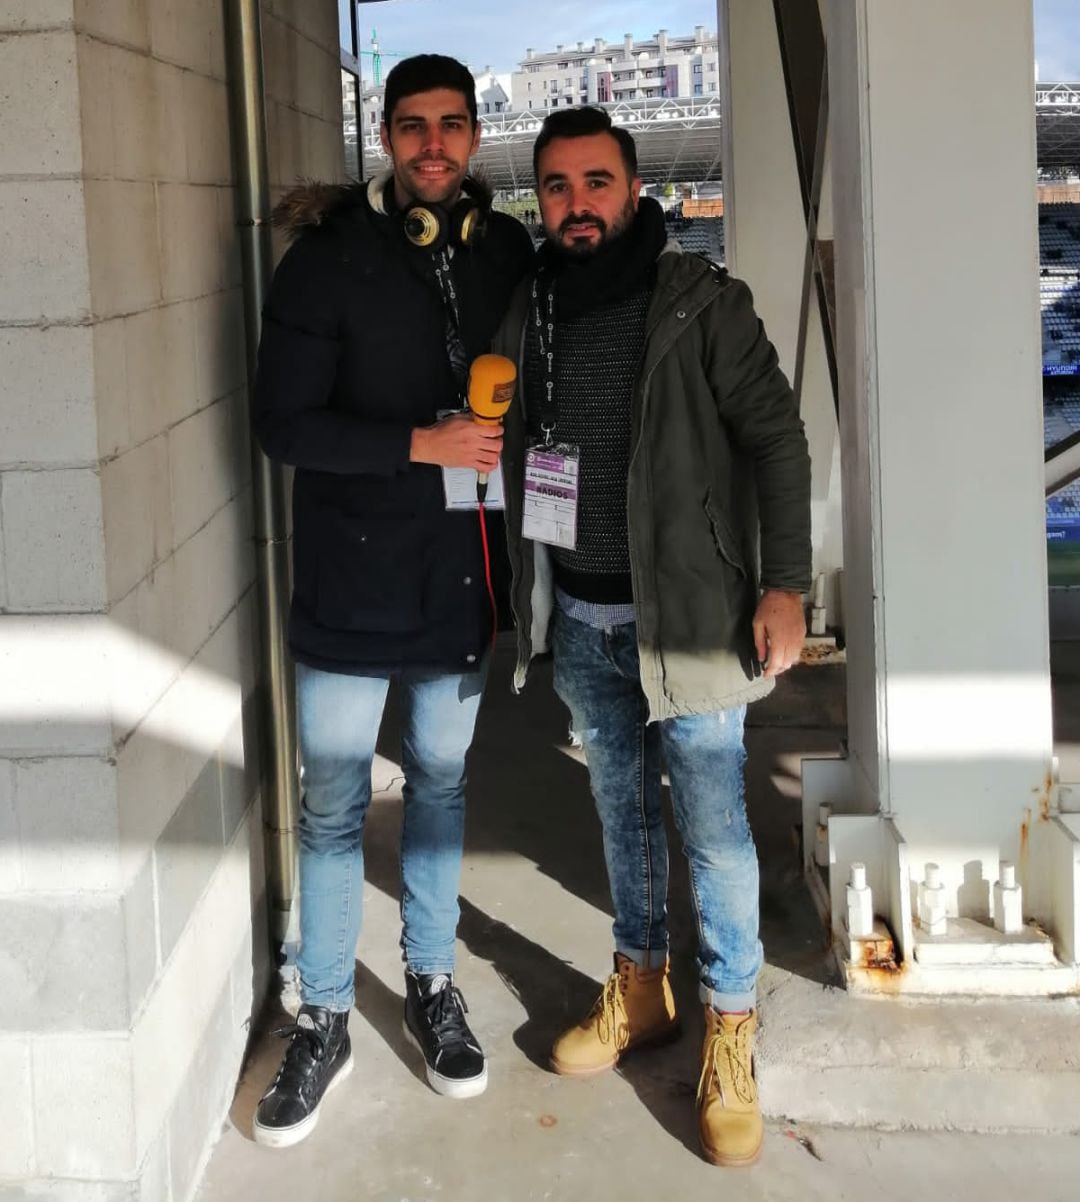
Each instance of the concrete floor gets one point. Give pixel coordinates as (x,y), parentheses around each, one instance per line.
(534,947)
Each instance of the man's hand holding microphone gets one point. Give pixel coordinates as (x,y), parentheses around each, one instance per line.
(472,440)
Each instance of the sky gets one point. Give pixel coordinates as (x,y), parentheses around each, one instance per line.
(1057,39)
(468,30)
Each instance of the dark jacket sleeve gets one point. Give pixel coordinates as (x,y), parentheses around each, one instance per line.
(298,361)
(522,252)
(758,406)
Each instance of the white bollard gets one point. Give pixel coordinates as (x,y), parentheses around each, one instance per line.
(821,836)
(1008,901)
(860,904)
(932,902)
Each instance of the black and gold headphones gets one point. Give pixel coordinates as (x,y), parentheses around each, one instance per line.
(431,226)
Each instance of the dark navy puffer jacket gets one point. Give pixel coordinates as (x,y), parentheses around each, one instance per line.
(353,356)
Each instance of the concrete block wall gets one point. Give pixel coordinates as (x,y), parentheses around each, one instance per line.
(303,92)
(133,943)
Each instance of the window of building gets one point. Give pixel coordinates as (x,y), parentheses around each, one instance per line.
(697,89)
(697,68)
(346,27)
(584,82)
(350,88)
(350,125)
(554,85)
(569,82)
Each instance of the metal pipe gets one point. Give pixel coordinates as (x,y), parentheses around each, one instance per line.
(277,700)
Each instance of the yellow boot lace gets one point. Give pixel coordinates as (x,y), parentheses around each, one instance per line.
(606,1011)
(727,1062)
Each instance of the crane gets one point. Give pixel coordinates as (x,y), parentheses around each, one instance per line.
(376,55)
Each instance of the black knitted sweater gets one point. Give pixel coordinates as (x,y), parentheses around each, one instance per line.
(600,309)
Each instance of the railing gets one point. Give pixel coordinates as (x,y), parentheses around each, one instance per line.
(652,113)
(678,138)
(1054,95)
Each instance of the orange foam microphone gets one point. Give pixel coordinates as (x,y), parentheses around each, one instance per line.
(492,379)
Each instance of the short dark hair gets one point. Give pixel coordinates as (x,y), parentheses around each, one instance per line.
(582,123)
(424,73)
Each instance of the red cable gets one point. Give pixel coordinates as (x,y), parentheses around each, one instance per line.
(487,573)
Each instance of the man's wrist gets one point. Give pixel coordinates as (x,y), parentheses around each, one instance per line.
(419,443)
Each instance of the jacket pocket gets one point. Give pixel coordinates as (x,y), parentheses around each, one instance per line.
(372,573)
(723,536)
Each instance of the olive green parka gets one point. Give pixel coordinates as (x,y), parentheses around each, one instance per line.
(718,494)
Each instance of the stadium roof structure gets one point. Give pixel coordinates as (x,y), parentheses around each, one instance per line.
(1057,122)
(679,139)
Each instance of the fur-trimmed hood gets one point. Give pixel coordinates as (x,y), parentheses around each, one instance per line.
(312,204)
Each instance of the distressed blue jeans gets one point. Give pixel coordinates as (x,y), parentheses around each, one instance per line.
(597,676)
(339,719)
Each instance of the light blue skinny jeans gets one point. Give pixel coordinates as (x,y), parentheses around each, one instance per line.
(339,719)
(597,676)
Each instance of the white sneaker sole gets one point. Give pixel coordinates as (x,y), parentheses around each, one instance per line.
(285,1137)
(447,1087)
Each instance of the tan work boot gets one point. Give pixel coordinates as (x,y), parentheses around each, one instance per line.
(634,1008)
(729,1117)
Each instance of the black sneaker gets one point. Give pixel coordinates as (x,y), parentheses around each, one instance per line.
(435,1024)
(319,1055)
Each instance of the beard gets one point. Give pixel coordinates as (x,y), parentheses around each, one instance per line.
(581,248)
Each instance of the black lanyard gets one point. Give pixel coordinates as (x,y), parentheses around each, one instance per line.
(455,343)
(446,286)
(545,336)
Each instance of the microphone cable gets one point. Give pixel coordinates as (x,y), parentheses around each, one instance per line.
(490,391)
(487,563)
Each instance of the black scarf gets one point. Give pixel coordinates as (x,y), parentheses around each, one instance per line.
(619,267)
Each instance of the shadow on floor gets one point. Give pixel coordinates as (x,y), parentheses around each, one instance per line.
(529,797)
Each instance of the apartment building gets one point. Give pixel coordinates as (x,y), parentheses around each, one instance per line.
(601,73)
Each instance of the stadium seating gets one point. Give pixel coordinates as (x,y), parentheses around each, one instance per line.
(701,235)
(1059,235)
(1059,299)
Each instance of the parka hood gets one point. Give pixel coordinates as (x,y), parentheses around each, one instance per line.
(311,204)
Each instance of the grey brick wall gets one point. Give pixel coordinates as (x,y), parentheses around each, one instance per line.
(132,906)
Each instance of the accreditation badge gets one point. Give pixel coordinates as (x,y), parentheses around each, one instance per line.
(549,512)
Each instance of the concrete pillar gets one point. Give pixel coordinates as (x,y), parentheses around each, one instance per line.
(941,424)
(765,239)
(133,943)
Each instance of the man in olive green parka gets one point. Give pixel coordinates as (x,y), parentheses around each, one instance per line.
(668,584)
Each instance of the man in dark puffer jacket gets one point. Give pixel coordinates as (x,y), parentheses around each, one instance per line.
(366,345)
